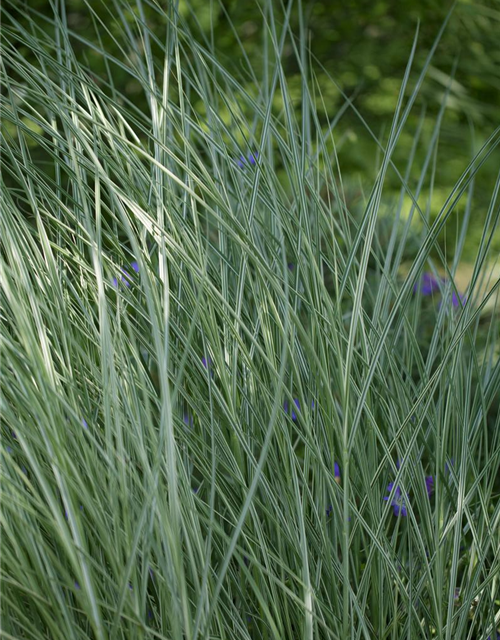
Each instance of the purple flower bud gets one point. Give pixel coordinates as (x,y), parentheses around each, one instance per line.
(84,422)
(397,501)
(124,280)
(427,285)
(329,510)
(115,283)
(291,266)
(336,471)
(429,485)
(77,586)
(458,301)
(188,420)
(242,161)
(135,266)
(204,362)
(14,435)
(286,407)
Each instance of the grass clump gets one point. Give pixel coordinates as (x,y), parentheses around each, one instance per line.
(238,400)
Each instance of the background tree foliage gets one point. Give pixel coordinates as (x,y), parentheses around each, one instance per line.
(357,47)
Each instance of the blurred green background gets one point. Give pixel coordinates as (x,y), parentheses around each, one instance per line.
(364,46)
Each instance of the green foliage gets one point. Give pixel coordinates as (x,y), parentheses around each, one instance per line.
(359,48)
(164,300)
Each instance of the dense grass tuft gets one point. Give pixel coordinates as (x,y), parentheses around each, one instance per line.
(232,404)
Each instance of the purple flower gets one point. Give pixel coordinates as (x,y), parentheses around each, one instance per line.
(286,406)
(458,301)
(204,362)
(246,561)
(329,510)
(14,435)
(291,266)
(130,586)
(152,575)
(188,419)
(124,280)
(429,485)
(336,472)
(77,586)
(427,285)
(126,277)
(397,501)
(252,159)
(84,422)
(8,449)
(150,614)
